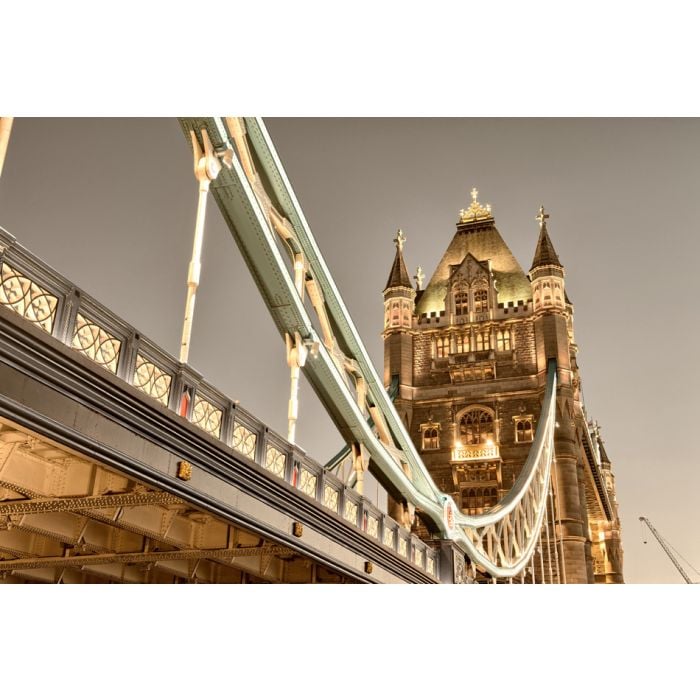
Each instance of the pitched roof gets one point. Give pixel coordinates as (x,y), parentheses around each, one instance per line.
(484,242)
(545,253)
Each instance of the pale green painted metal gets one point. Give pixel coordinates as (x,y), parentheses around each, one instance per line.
(258,245)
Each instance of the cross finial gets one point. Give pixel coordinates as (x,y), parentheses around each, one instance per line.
(400,239)
(542,217)
(475,194)
(419,277)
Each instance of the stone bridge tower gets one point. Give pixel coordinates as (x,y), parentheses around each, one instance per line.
(469,354)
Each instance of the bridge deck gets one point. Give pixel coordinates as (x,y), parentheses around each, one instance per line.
(79,379)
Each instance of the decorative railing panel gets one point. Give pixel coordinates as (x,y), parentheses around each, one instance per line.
(244,440)
(330,497)
(373,526)
(275,461)
(207,416)
(307,482)
(96,343)
(152,380)
(27,298)
(350,511)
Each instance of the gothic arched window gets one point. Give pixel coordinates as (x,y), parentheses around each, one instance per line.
(483,341)
(481,301)
(461,303)
(462,342)
(476,427)
(523,431)
(503,340)
(442,346)
(431,441)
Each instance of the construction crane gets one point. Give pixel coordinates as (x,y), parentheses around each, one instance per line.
(667,548)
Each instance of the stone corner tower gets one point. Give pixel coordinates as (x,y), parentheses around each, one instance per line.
(467,358)
(399,308)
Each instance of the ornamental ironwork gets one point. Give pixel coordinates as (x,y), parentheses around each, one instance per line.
(388,538)
(330,498)
(152,380)
(307,483)
(244,440)
(96,343)
(27,298)
(207,416)
(350,512)
(478,452)
(373,527)
(275,461)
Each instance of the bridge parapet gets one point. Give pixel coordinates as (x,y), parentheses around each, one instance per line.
(47,300)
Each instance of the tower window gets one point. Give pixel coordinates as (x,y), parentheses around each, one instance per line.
(476,427)
(476,500)
(431,440)
(442,346)
(462,342)
(395,313)
(483,341)
(523,428)
(461,303)
(481,301)
(503,340)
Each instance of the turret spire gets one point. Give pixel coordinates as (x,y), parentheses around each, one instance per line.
(398,277)
(545,253)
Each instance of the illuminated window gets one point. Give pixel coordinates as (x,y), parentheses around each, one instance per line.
(481,301)
(476,427)
(474,501)
(523,431)
(523,428)
(462,342)
(503,340)
(431,440)
(442,346)
(461,303)
(483,341)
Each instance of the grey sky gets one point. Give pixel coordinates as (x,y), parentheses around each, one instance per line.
(111,205)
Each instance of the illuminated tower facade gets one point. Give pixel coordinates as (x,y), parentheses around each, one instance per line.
(469,353)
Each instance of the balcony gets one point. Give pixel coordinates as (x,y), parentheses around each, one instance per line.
(480,452)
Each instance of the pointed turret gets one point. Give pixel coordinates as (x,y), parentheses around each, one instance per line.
(546,272)
(545,253)
(399,307)
(398,277)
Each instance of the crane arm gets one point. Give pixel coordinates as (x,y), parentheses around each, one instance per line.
(666,548)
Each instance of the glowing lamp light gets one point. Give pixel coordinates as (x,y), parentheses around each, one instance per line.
(489,442)
(458,444)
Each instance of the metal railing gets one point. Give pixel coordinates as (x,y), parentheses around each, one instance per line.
(48,301)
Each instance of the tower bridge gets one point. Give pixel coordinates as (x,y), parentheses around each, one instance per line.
(119,462)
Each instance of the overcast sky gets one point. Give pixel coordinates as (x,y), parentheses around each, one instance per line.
(110,203)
